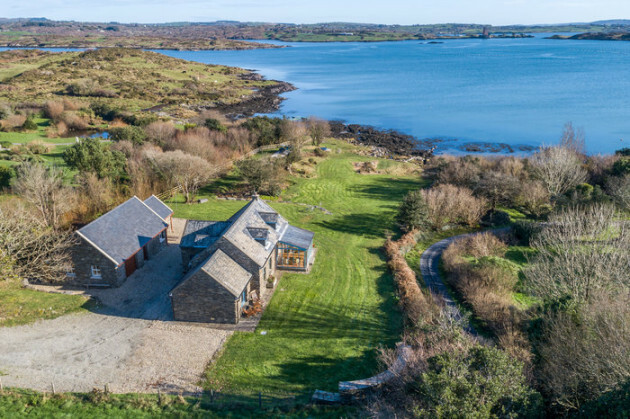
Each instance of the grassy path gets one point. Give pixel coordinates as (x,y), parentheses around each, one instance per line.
(325,326)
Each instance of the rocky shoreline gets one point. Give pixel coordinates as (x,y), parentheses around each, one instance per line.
(264,100)
(390,140)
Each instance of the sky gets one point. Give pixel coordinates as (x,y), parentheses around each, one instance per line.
(495,12)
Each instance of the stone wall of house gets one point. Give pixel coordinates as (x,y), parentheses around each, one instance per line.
(201,299)
(84,255)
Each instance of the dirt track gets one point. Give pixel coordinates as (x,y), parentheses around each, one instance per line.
(128,343)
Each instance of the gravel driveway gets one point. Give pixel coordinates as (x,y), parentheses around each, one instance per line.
(125,343)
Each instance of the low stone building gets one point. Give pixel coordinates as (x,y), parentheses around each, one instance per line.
(256,239)
(113,246)
(216,292)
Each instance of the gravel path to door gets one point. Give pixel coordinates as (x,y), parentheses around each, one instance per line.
(125,343)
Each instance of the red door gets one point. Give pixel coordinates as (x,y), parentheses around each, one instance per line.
(130,265)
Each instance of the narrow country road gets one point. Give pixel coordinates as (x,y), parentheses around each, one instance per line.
(429,267)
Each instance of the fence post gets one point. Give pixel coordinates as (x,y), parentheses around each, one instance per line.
(53,387)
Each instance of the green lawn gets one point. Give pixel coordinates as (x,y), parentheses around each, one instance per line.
(22,306)
(325,326)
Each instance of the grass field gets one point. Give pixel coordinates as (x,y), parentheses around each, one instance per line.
(325,326)
(22,306)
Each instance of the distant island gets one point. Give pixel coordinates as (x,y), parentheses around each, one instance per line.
(596,36)
(230,35)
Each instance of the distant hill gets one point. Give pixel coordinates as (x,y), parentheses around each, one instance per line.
(615,22)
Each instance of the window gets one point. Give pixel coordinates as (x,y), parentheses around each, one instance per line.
(162,236)
(70,272)
(96,272)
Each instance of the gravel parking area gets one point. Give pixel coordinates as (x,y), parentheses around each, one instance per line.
(126,343)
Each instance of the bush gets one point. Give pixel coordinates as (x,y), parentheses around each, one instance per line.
(499,188)
(621,167)
(105,111)
(6,174)
(139,120)
(265,130)
(5,110)
(496,218)
(29,124)
(160,132)
(412,300)
(37,147)
(91,155)
(449,204)
(72,121)
(413,212)
(464,171)
(524,231)
(534,198)
(623,152)
(480,382)
(319,152)
(215,125)
(6,144)
(53,109)
(258,173)
(619,189)
(134,134)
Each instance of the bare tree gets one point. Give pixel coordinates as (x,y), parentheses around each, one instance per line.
(573,139)
(36,253)
(183,170)
(452,204)
(318,129)
(534,197)
(43,187)
(587,354)
(559,168)
(160,132)
(293,131)
(580,253)
(619,188)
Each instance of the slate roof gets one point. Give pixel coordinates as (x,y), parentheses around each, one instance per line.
(254,230)
(299,237)
(158,206)
(249,219)
(202,234)
(227,272)
(124,230)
